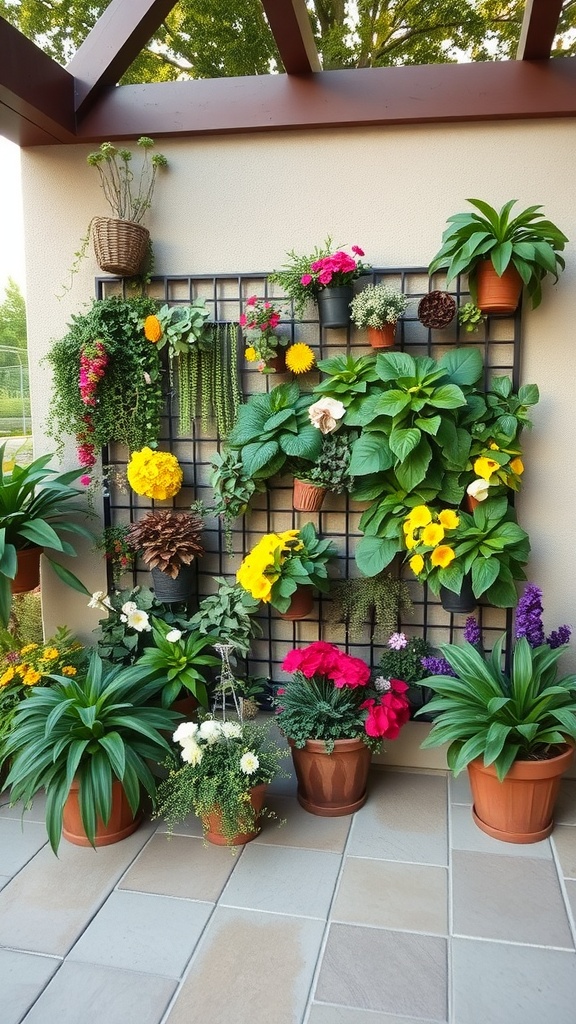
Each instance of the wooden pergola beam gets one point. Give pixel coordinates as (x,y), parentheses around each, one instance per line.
(292,31)
(120,34)
(539,27)
(36,94)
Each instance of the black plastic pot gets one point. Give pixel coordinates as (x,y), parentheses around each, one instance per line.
(334,306)
(462,603)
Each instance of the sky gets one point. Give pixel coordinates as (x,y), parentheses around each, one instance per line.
(11,226)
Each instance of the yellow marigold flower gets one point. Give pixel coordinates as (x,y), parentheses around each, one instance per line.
(416,563)
(7,676)
(251,354)
(485,467)
(432,534)
(448,518)
(31,677)
(69,670)
(517,466)
(442,556)
(28,647)
(300,358)
(49,654)
(152,328)
(420,516)
(154,474)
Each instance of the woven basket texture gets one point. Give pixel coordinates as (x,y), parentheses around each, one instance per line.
(120,245)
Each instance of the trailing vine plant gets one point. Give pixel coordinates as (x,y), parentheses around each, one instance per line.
(376,600)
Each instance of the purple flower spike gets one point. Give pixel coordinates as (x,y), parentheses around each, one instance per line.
(437,666)
(559,637)
(472,633)
(529,616)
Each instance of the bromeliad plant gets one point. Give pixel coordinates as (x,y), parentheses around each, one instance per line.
(282,562)
(481,711)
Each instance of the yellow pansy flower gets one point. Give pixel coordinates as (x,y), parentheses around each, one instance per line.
(448,518)
(517,466)
(442,556)
(420,516)
(485,467)
(416,563)
(251,354)
(261,589)
(432,534)
(410,541)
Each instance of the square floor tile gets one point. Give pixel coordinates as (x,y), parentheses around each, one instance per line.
(23,976)
(564,839)
(570,887)
(283,880)
(93,995)
(393,972)
(496,983)
(137,932)
(19,842)
(322,1013)
(411,897)
(180,866)
(565,809)
(302,829)
(459,789)
(37,812)
(498,897)
(250,968)
(465,835)
(404,818)
(190,826)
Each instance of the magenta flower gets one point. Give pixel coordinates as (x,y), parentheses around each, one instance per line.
(358,250)
(306,279)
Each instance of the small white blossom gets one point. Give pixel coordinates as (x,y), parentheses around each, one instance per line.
(210,731)
(478,489)
(147,377)
(231,730)
(249,763)
(185,731)
(129,606)
(191,752)
(138,620)
(173,636)
(382,684)
(100,601)
(325,413)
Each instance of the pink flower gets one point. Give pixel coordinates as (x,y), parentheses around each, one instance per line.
(85,480)
(251,301)
(318,657)
(358,250)
(306,279)
(242,319)
(325,277)
(386,717)
(274,319)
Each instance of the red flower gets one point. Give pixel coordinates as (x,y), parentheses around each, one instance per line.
(318,657)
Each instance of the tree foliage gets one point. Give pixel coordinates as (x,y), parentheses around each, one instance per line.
(218,38)
(12,323)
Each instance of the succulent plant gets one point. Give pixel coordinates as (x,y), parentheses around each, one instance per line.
(167,539)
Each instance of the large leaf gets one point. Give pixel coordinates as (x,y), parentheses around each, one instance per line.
(258,456)
(393,365)
(403,441)
(373,554)
(370,454)
(68,577)
(463,365)
(413,471)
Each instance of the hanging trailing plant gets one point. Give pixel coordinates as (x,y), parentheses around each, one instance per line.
(376,601)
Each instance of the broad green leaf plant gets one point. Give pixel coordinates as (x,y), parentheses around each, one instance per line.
(272,428)
(177,662)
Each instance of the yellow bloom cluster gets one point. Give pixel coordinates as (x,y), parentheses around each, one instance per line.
(426,529)
(33,662)
(155,474)
(263,565)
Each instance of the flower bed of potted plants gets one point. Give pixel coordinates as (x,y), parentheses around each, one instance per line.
(334,720)
(377,309)
(325,277)
(168,541)
(282,569)
(515,732)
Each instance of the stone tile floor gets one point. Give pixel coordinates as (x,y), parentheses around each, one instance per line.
(404,913)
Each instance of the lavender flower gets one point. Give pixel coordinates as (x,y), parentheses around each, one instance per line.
(559,637)
(529,616)
(437,666)
(398,641)
(472,633)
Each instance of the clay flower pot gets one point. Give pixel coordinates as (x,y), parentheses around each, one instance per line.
(213,822)
(335,784)
(307,497)
(382,337)
(28,576)
(122,822)
(497,294)
(301,604)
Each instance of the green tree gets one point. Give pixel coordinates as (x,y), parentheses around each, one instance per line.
(12,323)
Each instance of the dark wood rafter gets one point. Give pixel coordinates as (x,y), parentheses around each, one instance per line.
(539,28)
(119,35)
(36,94)
(290,26)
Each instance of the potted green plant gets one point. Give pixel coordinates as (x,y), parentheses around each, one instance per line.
(176,660)
(405,658)
(125,629)
(263,344)
(326,277)
(514,731)
(470,317)
(87,741)
(233,489)
(492,247)
(168,541)
(282,569)
(37,507)
(229,614)
(227,767)
(330,472)
(334,720)
(377,309)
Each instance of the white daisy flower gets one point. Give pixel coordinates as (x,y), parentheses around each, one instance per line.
(249,763)
(185,731)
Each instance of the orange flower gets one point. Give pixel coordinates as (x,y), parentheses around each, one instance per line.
(152,329)
(517,466)
(442,556)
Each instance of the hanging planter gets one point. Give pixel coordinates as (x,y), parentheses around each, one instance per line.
(462,603)
(306,497)
(301,604)
(122,822)
(497,295)
(212,822)
(436,310)
(120,245)
(333,784)
(28,576)
(173,590)
(334,306)
(382,337)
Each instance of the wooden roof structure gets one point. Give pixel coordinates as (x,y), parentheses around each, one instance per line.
(42,103)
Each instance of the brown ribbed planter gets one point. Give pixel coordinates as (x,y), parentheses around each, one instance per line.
(382,337)
(28,576)
(520,808)
(213,822)
(497,294)
(122,822)
(301,604)
(120,245)
(307,497)
(332,784)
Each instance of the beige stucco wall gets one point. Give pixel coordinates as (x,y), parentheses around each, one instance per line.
(239,203)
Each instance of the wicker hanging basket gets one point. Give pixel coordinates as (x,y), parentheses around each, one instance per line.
(120,245)
(437,309)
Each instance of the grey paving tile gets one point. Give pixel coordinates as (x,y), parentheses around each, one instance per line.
(508,984)
(190,826)
(282,880)
(411,897)
(19,841)
(269,961)
(48,904)
(309,831)
(565,810)
(23,976)
(92,995)
(4,879)
(465,835)
(141,932)
(181,866)
(503,898)
(376,969)
(322,1013)
(564,839)
(35,813)
(404,818)
(459,789)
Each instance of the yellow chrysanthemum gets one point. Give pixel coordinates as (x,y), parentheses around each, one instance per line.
(31,677)
(7,677)
(517,466)
(420,516)
(152,329)
(154,474)
(485,467)
(251,354)
(448,518)
(69,670)
(299,358)
(49,654)
(28,648)
(432,535)
(442,556)
(416,563)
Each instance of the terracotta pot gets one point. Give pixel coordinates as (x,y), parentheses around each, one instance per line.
(122,822)
(497,294)
(301,604)
(213,822)
(332,784)
(520,808)
(469,503)
(334,306)
(307,497)
(28,576)
(187,706)
(382,337)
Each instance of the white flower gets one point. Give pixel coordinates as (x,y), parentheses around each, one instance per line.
(173,636)
(210,731)
(100,601)
(185,731)
(147,378)
(249,763)
(381,684)
(138,620)
(231,730)
(128,607)
(191,752)
(478,489)
(325,413)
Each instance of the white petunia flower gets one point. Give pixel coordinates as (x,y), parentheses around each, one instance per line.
(100,601)
(138,620)
(478,489)
(232,730)
(129,606)
(173,636)
(249,763)
(325,413)
(191,752)
(185,731)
